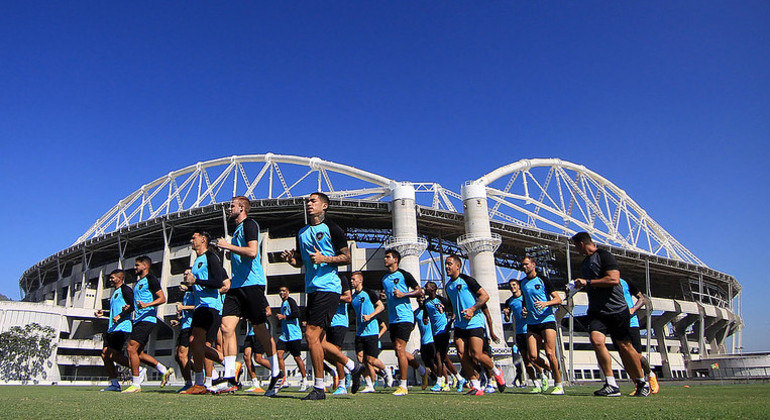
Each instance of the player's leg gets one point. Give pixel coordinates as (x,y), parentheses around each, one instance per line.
(549,345)
(598,339)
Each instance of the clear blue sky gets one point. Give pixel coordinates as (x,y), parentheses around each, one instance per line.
(669,101)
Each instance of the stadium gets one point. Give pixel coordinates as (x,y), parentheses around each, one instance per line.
(529,207)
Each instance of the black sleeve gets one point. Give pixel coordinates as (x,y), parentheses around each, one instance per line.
(293,308)
(128,296)
(345,285)
(339,239)
(472,283)
(372,296)
(409,279)
(632,289)
(153,283)
(508,302)
(215,270)
(297,250)
(444,301)
(607,261)
(250,230)
(548,287)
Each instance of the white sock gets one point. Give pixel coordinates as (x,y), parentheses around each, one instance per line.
(421,369)
(255,382)
(368,382)
(208,381)
(200,378)
(274,368)
(496,371)
(402,383)
(388,374)
(136,381)
(476,384)
(342,382)
(611,381)
(214,375)
(440,381)
(229,366)
(162,369)
(319,383)
(558,385)
(350,365)
(114,381)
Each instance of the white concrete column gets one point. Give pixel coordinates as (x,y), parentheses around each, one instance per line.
(406,241)
(480,245)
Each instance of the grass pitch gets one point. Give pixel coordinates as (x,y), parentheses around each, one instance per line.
(674,401)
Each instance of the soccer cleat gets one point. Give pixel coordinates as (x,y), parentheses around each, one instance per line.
(654,385)
(348,379)
(608,391)
(225,387)
(315,394)
(388,380)
(183,389)
(401,391)
(131,390)
(284,383)
(425,381)
(256,389)
(367,390)
(142,374)
(437,387)
(475,392)
(196,390)
(500,382)
(535,390)
(460,384)
(544,382)
(557,390)
(341,390)
(303,386)
(490,389)
(355,377)
(115,388)
(276,382)
(446,388)
(166,376)
(238,371)
(642,389)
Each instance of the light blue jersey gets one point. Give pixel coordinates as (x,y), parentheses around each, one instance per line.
(121,297)
(426,333)
(628,293)
(328,239)
(290,329)
(537,290)
(246,271)
(462,294)
(144,292)
(399,309)
(516,304)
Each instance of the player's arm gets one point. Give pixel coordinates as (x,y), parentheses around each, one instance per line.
(214,271)
(641,299)
(481,297)
(555,298)
(293,256)
(128,297)
(346,296)
(410,283)
(378,307)
(160,298)
(340,244)
(383,330)
(507,310)
(250,234)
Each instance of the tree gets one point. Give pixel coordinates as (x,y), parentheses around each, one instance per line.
(24,352)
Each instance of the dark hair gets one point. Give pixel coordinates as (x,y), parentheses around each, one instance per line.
(322,196)
(456,258)
(394,253)
(118,273)
(527,257)
(285,287)
(356,273)
(144,260)
(514,281)
(582,237)
(204,234)
(431,282)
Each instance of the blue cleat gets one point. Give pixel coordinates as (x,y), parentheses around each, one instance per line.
(460,384)
(113,388)
(341,390)
(436,388)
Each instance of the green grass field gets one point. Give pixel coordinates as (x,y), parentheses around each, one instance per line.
(674,401)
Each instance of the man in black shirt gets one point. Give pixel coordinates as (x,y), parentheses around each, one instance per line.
(608,314)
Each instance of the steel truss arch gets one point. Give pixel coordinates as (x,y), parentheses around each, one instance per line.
(254,176)
(564,197)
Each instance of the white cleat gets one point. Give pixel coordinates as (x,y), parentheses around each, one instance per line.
(367,390)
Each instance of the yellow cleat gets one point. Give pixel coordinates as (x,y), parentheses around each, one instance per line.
(131,390)
(400,391)
(164,379)
(654,385)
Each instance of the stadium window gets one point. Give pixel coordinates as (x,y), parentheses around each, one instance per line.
(578,374)
(587,374)
(623,374)
(175,294)
(178,265)
(156,269)
(616,373)
(93,283)
(274,257)
(597,374)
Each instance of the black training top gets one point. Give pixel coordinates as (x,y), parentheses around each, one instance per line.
(602,300)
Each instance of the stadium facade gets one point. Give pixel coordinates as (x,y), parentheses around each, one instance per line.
(528,207)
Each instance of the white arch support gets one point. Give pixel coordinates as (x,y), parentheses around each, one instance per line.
(563,197)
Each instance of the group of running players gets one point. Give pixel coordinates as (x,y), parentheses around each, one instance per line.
(214,303)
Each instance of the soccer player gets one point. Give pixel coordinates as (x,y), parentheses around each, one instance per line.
(252,352)
(539,298)
(336,335)
(396,284)
(467,297)
(608,314)
(206,278)
(630,292)
(148,295)
(118,328)
(246,296)
(291,335)
(436,310)
(321,247)
(514,306)
(367,306)
(184,310)
(427,346)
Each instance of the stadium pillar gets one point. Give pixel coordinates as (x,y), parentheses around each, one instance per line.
(480,245)
(702,319)
(406,241)
(165,270)
(659,325)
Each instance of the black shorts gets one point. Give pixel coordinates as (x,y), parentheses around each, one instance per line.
(539,328)
(246,302)
(115,340)
(428,354)
(321,307)
(209,320)
(369,344)
(442,343)
(253,342)
(294,347)
(636,338)
(401,330)
(614,325)
(336,335)
(183,339)
(466,334)
(521,343)
(141,331)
